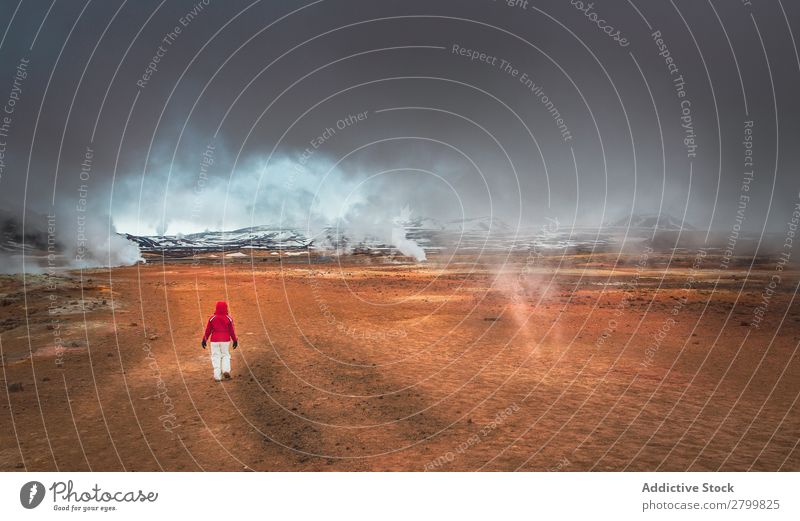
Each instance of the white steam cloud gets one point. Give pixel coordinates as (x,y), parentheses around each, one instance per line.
(97,244)
(312,196)
(399,240)
(48,244)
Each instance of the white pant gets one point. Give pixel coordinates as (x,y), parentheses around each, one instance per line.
(220,358)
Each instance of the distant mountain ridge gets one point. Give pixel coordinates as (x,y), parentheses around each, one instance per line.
(650,221)
(260,237)
(274,237)
(472,234)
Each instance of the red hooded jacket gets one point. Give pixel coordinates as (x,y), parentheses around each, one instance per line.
(220,325)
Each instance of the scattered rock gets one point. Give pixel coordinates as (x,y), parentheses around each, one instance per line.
(153,337)
(16,387)
(46,379)
(133,324)
(743,323)
(19,466)
(492,319)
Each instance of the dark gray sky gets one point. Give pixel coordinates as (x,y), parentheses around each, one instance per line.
(440,133)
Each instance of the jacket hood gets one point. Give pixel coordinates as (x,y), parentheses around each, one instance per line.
(222,308)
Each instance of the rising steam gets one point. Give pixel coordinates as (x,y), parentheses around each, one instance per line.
(46,243)
(99,245)
(405,245)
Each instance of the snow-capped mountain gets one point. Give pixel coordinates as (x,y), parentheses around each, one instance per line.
(256,237)
(661,222)
(421,234)
(429,234)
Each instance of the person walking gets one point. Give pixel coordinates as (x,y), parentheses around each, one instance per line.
(221,332)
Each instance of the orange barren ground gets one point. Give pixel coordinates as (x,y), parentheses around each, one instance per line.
(492,364)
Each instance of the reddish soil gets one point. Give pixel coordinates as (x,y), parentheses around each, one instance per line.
(378,366)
